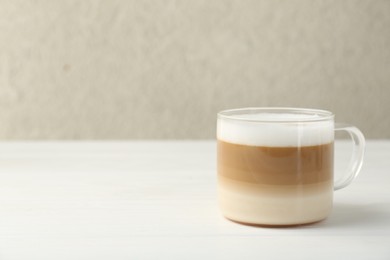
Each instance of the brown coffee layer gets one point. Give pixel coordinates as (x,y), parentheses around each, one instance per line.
(275,165)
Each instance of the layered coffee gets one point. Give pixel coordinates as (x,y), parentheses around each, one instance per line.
(275,174)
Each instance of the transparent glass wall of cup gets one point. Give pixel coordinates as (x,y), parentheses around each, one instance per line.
(275,165)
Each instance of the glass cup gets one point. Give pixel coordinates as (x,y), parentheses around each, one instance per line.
(275,165)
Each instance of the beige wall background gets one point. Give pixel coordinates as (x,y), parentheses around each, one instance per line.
(163,69)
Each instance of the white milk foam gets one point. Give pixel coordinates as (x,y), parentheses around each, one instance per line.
(278,116)
(273,133)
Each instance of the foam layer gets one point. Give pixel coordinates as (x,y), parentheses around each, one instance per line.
(278,116)
(277,134)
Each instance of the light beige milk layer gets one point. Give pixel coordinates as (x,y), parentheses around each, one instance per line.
(274,204)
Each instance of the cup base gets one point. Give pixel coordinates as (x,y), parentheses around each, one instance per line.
(275,225)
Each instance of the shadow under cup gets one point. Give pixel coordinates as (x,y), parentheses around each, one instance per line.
(275,165)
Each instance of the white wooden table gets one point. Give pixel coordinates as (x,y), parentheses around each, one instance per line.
(157,200)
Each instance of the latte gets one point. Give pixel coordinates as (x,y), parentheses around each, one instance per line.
(275,174)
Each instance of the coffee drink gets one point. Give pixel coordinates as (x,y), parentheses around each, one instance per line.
(275,168)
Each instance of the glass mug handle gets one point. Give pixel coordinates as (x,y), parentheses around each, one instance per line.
(357,155)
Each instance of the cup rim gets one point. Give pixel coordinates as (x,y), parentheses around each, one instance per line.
(232,114)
